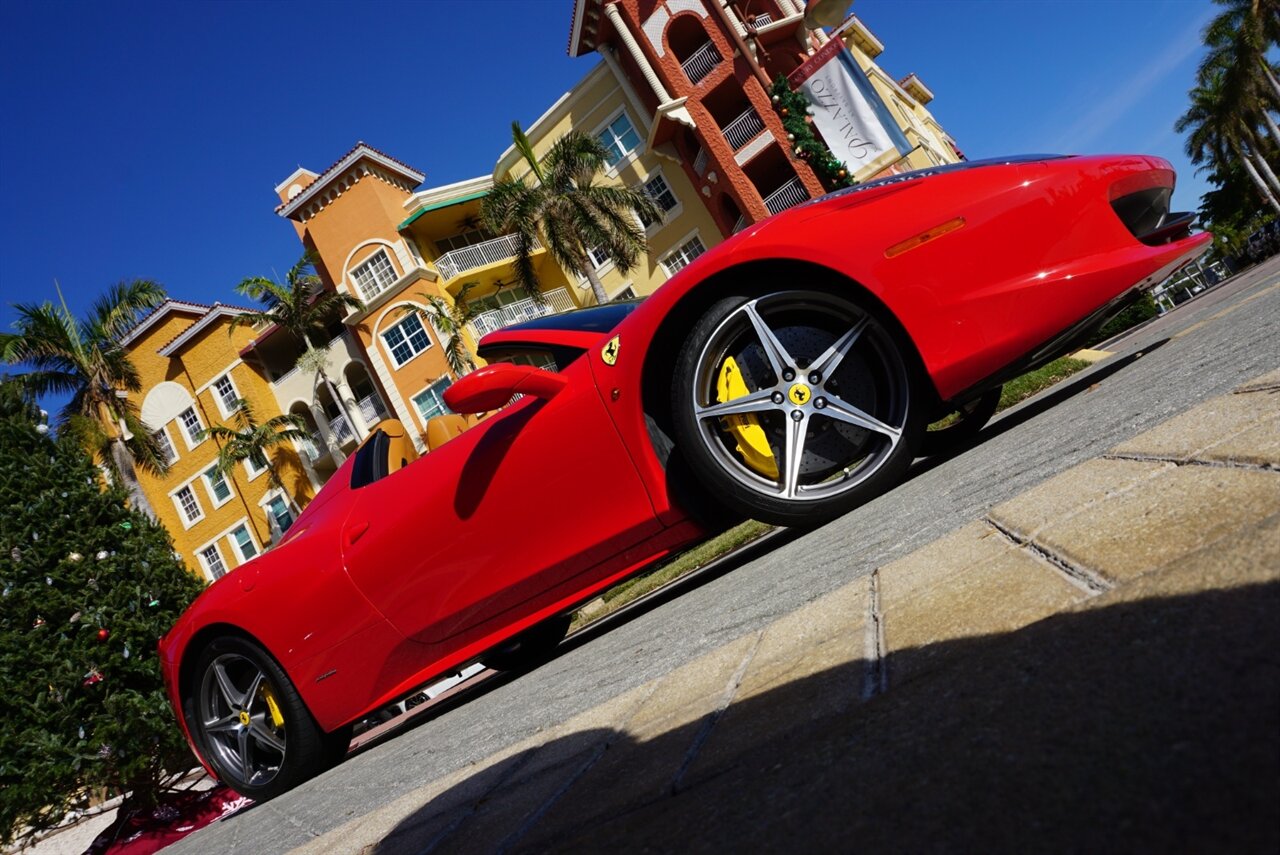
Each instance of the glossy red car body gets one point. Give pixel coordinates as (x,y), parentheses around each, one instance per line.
(378,589)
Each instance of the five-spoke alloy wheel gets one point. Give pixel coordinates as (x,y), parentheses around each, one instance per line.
(795,406)
(251,725)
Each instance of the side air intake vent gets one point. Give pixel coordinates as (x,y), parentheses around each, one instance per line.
(1146,214)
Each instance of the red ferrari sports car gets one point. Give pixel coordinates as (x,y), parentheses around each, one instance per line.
(788,375)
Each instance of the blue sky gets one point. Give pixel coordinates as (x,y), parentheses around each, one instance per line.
(144,139)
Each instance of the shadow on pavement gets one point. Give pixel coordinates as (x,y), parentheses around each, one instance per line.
(1148,725)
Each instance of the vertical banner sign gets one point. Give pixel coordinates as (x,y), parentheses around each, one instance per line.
(848,112)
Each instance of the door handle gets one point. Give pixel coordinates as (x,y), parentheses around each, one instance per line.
(355,531)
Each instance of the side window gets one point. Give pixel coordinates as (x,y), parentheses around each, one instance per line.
(682,255)
(619,138)
(430,401)
(406,339)
(374,275)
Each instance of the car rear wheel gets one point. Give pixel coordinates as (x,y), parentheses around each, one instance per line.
(794,407)
(968,422)
(251,725)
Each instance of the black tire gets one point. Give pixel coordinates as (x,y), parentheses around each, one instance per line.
(229,711)
(832,377)
(972,418)
(530,648)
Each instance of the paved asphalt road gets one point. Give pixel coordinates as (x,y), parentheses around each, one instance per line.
(1200,350)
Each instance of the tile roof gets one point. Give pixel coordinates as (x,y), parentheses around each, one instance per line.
(217,310)
(169,305)
(340,163)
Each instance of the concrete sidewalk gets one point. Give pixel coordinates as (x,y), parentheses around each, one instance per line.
(1094,665)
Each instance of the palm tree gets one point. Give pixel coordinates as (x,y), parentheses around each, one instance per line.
(302,307)
(1218,136)
(252,440)
(85,359)
(575,213)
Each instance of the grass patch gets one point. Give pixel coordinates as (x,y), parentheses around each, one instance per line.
(673,568)
(1015,391)
(1019,389)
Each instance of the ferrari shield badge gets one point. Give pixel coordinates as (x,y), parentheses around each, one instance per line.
(609,353)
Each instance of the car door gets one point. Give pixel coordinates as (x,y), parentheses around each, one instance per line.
(515,509)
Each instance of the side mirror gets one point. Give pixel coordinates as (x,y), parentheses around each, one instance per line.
(491,387)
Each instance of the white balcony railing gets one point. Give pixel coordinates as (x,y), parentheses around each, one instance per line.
(789,194)
(372,409)
(701,62)
(484,323)
(312,445)
(743,129)
(458,261)
(340,430)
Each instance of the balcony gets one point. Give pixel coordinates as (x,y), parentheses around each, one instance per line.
(788,195)
(484,323)
(340,430)
(458,261)
(372,409)
(701,62)
(743,129)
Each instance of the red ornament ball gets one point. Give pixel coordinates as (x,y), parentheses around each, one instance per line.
(842,173)
(104,634)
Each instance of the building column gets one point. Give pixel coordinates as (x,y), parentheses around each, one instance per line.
(624,32)
(358,423)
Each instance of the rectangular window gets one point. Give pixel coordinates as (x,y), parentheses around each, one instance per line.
(188,504)
(167,451)
(627,293)
(253,469)
(279,510)
(598,257)
(659,191)
(219,489)
(244,542)
(406,340)
(683,254)
(191,426)
(430,401)
(213,561)
(228,398)
(375,275)
(619,139)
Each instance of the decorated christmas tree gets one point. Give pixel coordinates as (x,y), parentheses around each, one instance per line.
(87,587)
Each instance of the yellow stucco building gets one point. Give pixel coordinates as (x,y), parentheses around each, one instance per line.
(193,376)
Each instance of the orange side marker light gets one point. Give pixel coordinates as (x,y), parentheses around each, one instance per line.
(924,237)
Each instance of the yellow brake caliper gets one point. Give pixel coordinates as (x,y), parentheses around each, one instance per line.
(273,706)
(744,428)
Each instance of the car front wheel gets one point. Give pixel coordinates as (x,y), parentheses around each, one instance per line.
(794,407)
(250,723)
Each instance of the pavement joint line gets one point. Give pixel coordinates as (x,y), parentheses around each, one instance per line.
(710,720)
(534,818)
(1138,457)
(1089,581)
(875,679)
(1261,387)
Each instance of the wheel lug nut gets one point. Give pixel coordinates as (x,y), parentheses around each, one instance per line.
(777,397)
(819,403)
(796,415)
(815,378)
(788,374)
